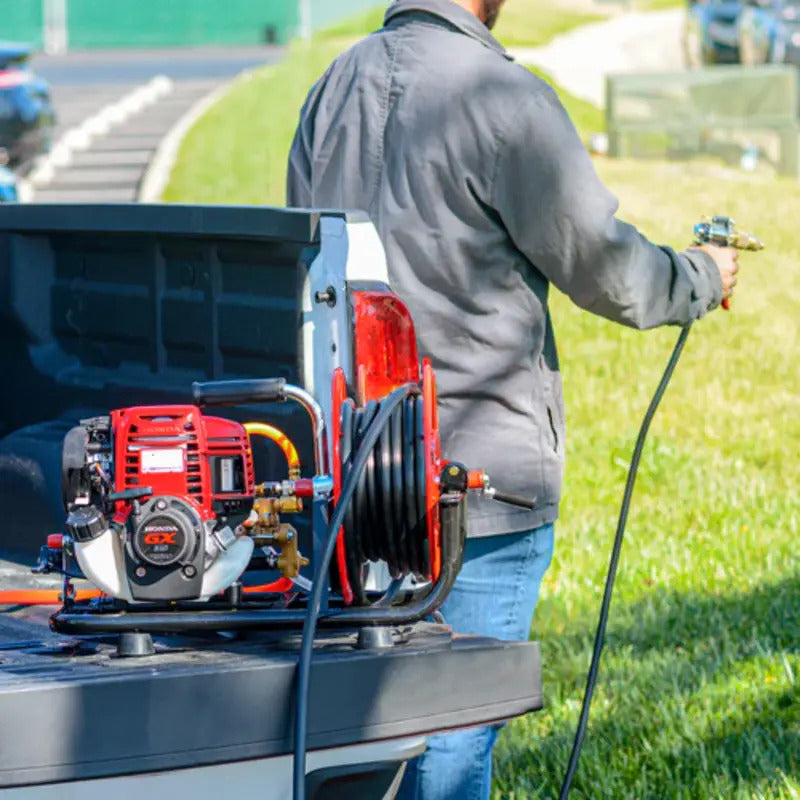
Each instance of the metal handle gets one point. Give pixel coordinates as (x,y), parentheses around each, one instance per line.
(478,479)
(234,393)
(512,499)
(266,390)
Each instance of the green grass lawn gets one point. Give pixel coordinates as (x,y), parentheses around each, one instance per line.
(698,694)
(237,152)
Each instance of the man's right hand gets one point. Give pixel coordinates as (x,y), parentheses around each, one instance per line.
(727,261)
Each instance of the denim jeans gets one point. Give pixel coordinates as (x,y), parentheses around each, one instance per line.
(495,595)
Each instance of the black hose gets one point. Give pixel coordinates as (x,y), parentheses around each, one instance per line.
(387,518)
(364,452)
(599,638)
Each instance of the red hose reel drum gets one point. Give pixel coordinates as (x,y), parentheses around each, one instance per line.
(395,514)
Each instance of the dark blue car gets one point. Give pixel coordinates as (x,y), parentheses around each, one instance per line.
(711,35)
(769,32)
(9,186)
(27,117)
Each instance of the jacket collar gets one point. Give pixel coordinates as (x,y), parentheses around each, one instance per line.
(452,13)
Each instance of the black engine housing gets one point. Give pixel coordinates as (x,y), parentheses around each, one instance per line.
(165,550)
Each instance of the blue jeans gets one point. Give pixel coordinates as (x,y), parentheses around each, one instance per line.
(495,595)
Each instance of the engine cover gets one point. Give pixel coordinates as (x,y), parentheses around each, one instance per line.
(165,552)
(153,495)
(180,453)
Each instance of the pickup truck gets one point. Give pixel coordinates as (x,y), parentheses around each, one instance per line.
(113,307)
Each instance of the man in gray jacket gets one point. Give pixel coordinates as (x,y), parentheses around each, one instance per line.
(483,194)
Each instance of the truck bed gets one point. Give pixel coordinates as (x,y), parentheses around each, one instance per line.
(89,713)
(103,307)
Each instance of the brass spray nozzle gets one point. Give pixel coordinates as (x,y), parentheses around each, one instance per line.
(721,231)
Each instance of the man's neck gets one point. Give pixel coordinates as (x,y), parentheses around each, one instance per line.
(474,7)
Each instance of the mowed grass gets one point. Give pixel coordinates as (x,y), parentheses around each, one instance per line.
(237,152)
(698,694)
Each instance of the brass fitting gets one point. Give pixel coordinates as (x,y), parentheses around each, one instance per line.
(267,529)
(267,517)
(288,505)
(290,560)
(269,509)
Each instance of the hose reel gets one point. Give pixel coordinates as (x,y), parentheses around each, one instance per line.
(394,516)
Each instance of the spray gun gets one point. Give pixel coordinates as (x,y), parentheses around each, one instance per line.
(721,231)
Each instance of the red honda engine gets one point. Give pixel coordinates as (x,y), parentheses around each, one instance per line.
(154,495)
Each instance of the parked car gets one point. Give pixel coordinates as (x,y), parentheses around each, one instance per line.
(711,33)
(9,186)
(769,32)
(27,116)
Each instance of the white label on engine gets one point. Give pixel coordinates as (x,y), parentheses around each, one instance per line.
(162,460)
(226,475)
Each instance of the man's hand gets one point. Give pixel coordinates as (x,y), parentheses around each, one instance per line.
(727,261)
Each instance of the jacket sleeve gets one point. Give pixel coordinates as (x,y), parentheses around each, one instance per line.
(562,218)
(298,176)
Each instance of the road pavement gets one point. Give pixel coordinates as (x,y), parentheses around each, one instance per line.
(83,84)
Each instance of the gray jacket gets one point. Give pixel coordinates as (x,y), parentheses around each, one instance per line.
(483,194)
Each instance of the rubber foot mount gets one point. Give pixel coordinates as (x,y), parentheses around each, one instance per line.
(134,644)
(374,638)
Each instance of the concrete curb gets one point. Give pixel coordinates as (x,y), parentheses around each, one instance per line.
(96,126)
(156,177)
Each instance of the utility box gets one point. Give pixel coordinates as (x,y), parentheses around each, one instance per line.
(717,111)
